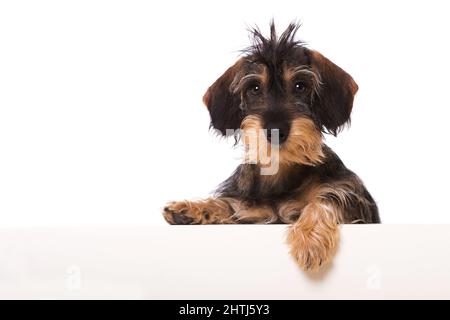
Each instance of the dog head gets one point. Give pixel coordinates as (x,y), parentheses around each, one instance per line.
(285,88)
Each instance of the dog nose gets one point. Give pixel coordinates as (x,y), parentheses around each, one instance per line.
(277,128)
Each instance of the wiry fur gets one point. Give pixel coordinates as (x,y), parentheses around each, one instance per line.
(282,86)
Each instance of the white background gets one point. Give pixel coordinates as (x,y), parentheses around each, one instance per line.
(101,118)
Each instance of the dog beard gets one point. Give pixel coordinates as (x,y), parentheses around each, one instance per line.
(303,145)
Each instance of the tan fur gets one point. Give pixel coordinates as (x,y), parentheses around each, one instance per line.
(208,211)
(314,238)
(304,144)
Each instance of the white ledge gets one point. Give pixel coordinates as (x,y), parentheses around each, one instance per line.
(221,262)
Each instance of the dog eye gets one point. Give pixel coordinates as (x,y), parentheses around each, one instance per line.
(300,86)
(254,89)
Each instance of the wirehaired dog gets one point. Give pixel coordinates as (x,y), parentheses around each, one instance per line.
(293,95)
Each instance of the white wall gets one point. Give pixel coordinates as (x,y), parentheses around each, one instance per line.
(101,119)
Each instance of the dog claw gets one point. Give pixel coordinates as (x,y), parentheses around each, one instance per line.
(180,218)
(177,216)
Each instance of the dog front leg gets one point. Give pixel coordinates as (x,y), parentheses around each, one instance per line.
(208,211)
(313,238)
(218,211)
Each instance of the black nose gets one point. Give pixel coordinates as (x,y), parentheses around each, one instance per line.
(277,128)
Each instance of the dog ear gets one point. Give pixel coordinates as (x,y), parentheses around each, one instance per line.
(222,103)
(334,98)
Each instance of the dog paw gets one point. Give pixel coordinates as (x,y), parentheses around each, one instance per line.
(181,213)
(312,247)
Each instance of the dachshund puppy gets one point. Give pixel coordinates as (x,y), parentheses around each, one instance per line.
(281,97)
